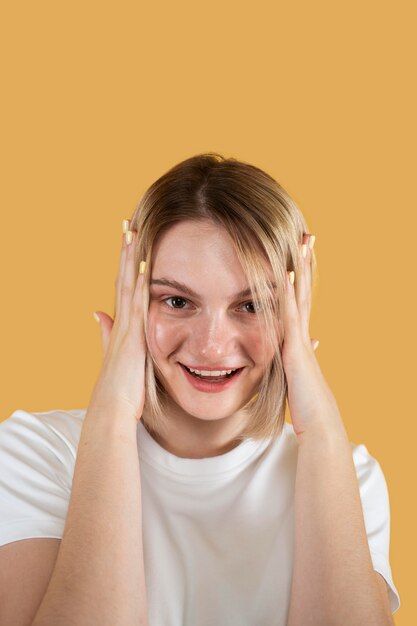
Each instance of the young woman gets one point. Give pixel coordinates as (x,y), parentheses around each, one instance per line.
(181,496)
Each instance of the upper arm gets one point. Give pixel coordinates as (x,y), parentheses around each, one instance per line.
(25,571)
(384,594)
(377,517)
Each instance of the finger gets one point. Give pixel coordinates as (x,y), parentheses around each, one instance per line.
(127,288)
(303,291)
(292,329)
(137,313)
(119,279)
(106,325)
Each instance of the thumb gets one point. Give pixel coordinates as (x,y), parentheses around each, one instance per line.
(315,343)
(106,325)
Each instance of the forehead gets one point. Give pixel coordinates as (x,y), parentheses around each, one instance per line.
(196,239)
(200,254)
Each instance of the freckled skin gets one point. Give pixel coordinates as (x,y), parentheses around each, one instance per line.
(213,329)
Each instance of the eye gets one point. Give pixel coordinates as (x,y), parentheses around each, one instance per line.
(253,308)
(177,302)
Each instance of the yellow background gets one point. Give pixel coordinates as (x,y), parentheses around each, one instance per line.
(100,98)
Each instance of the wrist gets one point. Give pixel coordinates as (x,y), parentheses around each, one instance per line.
(329,432)
(114,417)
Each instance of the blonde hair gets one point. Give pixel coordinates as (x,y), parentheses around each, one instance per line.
(265,225)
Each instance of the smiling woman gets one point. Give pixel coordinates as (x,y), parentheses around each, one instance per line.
(180,496)
(230,227)
(211,331)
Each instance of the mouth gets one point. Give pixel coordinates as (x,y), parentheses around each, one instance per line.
(211,375)
(211,383)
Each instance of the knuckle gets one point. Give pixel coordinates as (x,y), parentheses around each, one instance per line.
(126,290)
(303,300)
(136,307)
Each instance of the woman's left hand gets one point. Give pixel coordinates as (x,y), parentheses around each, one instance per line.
(310,399)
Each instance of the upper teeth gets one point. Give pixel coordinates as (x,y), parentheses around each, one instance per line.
(206,373)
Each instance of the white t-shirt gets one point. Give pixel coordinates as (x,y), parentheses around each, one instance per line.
(218,532)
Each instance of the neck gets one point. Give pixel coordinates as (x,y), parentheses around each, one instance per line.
(191,437)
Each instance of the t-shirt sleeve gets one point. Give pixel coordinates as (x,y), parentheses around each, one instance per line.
(37,460)
(376,510)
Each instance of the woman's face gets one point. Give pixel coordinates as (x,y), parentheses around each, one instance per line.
(198,319)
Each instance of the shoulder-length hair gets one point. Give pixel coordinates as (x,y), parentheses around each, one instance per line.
(265,225)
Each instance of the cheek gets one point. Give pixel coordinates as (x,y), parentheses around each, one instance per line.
(251,342)
(163,335)
(254,342)
(260,346)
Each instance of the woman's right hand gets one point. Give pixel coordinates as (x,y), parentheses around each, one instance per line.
(121,382)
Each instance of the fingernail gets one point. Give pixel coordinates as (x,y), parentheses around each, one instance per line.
(304,248)
(96,317)
(292,276)
(315,343)
(125,226)
(311,241)
(129,236)
(142,267)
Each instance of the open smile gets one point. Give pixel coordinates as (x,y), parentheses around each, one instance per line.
(211,381)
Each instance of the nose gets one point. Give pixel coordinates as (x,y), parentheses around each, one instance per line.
(212,337)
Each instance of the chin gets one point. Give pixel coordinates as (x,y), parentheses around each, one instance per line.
(208,411)
(210,406)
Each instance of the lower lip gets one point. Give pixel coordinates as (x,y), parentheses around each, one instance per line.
(208,387)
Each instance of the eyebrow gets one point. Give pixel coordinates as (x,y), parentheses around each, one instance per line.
(181,287)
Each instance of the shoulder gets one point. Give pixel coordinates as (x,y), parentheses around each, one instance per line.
(58,430)
(368,469)
(365,463)
(37,460)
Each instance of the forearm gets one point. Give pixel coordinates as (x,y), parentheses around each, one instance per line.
(334,583)
(99,574)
